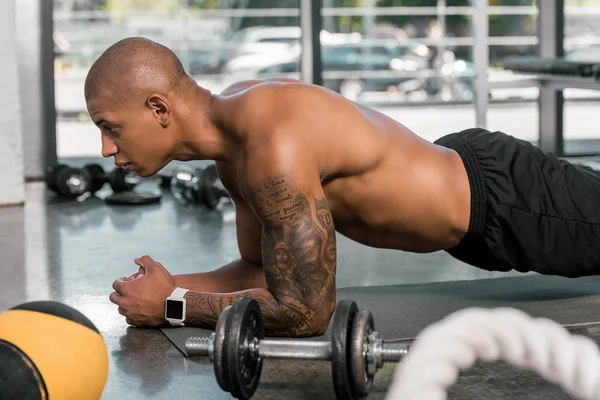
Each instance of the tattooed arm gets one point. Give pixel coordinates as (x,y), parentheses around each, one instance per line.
(298,256)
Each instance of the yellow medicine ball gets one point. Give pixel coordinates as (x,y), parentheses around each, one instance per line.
(49,350)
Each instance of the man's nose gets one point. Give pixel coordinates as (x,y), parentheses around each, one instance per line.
(109,148)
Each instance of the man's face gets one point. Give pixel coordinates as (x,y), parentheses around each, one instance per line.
(131,134)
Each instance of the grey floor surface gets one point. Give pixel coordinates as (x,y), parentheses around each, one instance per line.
(73,251)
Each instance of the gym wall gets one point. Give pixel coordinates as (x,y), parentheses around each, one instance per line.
(12,182)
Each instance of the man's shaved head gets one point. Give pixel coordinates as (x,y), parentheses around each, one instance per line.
(134,67)
(137,93)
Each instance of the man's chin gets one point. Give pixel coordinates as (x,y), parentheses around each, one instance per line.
(146,172)
(143,173)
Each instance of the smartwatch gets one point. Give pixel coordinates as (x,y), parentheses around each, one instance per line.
(175,307)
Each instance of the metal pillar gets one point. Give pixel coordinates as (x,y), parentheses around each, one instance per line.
(481,56)
(328,21)
(551,22)
(369,16)
(35,28)
(311,65)
(441,20)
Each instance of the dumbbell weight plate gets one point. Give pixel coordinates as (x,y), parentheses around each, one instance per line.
(50,176)
(343,320)
(362,327)
(244,325)
(210,195)
(220,350)
(97,175)
(184,186)
(193,192)
(72,182)
(164,179)
(121,181)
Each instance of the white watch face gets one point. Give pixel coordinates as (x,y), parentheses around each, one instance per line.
(174,309)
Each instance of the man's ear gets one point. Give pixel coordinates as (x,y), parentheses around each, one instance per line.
(160,108)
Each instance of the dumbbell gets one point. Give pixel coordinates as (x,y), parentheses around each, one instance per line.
(68,182)
(237,349)
(73,182)
(212,187)
(201,186)
(184,186)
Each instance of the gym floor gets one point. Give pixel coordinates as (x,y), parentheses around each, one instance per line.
(71,251)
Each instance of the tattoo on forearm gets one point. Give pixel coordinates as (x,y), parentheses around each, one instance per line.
(299,251)
(204,309)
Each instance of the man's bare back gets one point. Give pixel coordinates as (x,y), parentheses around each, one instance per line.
(385,186)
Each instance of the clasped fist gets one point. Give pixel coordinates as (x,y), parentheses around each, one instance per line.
(141,296)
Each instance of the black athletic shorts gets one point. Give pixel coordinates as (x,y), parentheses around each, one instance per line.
(530,211)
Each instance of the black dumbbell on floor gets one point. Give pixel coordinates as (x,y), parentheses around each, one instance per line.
(212,187)
(201,186)
(72,182)
(237,349)
(68,182)
(118,179)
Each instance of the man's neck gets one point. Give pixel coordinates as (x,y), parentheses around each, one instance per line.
(201,136)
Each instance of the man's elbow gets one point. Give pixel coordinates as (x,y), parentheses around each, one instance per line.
(308,330)
(316,326)
(318,329)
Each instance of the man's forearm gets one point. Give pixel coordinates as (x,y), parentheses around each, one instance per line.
(289,317)
(235,276)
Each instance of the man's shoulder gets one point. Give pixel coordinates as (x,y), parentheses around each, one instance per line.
(271,105)
(271,119)
(269,91)
(262,110)
(250,86)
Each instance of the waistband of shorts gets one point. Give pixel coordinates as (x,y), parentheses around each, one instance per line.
(476,177)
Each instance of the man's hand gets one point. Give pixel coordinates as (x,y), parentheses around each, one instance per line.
(141,296)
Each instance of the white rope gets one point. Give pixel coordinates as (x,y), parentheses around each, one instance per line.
(455,343)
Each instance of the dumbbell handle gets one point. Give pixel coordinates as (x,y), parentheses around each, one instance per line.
(295,349)
(131,179)
(266,348)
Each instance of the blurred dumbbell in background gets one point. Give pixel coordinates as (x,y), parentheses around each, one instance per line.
(198,186)
(71,182)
